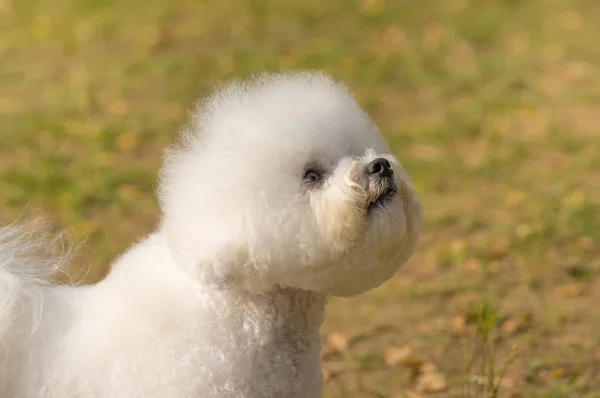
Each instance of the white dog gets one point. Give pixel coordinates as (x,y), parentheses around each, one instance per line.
(282,192)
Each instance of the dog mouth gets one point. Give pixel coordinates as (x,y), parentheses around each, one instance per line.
(384,198)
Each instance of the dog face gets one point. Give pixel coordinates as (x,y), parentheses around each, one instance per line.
(285,182)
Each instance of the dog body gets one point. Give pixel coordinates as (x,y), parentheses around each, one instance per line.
(283,192)
(148,330)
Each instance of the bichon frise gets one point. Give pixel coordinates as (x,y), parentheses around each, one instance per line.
(281,193)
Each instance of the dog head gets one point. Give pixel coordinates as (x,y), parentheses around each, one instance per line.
(283,181)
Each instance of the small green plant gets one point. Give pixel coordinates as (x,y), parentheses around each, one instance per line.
(481,357)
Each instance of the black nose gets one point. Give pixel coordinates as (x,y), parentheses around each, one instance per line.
(380,167)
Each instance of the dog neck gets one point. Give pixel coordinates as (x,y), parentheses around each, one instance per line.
(262,343)
(277,333)
(285,311)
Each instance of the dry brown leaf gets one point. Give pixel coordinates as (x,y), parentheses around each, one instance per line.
(397,355)
(326,375)
(562,373)
(127,141)
(432,382)
(585,242)
(338,341)
(515,323)
(119,107)
(558,373)
(428,367)
(472,264)
(500,246)
(458,323)
(414,362)
(570,290)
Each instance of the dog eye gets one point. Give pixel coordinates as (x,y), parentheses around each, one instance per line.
(311,176)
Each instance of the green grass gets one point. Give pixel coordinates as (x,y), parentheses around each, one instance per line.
(492,105)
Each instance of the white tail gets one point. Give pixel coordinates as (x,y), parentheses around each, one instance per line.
(28,259)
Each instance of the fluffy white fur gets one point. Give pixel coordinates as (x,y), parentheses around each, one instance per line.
(226,298)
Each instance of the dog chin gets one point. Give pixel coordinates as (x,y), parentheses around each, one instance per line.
(382,202)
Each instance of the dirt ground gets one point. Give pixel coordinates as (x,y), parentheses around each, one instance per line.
(493,106)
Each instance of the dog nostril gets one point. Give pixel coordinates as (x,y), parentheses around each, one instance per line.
(380,167)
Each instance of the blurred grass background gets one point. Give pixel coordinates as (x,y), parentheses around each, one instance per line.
(492,105)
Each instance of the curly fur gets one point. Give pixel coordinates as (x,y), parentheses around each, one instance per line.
(226,298)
